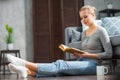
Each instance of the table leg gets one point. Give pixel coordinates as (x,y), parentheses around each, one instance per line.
(3,63)
(16,54)
(0,61)
(19,54)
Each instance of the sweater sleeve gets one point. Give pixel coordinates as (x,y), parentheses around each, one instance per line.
(105,40)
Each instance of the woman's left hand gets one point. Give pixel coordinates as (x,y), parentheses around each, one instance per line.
(87,55)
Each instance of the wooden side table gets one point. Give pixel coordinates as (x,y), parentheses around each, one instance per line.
(2,57)
(109,12)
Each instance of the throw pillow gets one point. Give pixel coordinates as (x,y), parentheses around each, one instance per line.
(112,25)
(76,36)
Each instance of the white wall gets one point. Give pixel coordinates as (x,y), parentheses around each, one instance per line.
(18,14)
(100,5)
(29,29)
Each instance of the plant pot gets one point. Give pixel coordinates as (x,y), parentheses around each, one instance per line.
(10,46)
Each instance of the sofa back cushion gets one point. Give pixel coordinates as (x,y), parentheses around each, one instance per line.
(112,25)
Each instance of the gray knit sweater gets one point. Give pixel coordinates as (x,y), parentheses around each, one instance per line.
(98,43)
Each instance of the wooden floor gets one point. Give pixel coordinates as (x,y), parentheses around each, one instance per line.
(15,77)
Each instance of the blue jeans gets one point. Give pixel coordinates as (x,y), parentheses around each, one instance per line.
(61,67)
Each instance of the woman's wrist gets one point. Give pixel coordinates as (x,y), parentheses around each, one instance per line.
(90,55)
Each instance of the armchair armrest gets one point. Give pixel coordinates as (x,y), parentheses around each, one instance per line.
(68,38)
(115,40)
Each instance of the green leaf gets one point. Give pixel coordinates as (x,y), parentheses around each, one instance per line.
(9,38)
(7,27)
(10,30)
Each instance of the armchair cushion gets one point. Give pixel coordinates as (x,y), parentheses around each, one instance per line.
(112,25)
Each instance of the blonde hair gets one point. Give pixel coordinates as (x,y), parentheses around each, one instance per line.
(90,8)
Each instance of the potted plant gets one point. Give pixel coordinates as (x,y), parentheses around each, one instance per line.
(9,37)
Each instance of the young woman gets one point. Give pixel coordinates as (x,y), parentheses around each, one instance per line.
(95,43)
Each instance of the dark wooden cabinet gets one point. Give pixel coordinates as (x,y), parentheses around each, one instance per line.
(50,18)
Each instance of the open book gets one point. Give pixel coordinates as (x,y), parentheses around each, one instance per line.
(65,48)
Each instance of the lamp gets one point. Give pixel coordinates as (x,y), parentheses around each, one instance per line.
(109,4)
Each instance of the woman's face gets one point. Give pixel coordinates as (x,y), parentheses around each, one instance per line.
(86,17)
